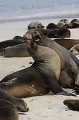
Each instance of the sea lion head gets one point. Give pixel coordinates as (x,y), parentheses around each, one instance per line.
(33,39)
(21,105)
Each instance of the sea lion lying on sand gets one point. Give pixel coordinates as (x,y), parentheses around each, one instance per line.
(20,50)
(8,111)
(35,24)
(67,43)
(54,67)
(19,104)
(56,33)
(72,104)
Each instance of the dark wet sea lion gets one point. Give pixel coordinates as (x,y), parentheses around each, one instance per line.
(8,111)
(72,104)
(51,26)
(12,42)
(52,64)
(17,102)
(56,33)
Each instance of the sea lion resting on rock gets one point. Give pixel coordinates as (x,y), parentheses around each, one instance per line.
(53,67)
(72,104)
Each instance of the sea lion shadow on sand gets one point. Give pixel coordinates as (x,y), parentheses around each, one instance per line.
(52,64)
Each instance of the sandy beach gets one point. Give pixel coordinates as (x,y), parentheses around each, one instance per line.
(48,107)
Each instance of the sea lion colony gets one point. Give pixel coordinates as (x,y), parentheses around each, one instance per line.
(34,49)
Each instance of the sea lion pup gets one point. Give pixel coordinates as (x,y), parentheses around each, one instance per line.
(75,49)
(72,104)
(35,24)
(51,63)
(17,102)
(19,50)
(8,111)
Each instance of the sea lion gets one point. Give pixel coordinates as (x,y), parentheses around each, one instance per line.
(56,33)
(19,50)
(11,42)
(74,23)
(74,66)
(51,26)
(17,102)
(35,24)
(75,49)
(67,43)
(63,23)
(72,104)
(8,111)
(52,64)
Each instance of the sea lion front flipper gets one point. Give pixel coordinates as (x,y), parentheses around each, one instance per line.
(66,93)
(56,88)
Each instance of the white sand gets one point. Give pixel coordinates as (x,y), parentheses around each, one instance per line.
(48,107)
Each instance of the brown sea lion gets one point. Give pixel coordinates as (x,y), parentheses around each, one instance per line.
(8,111)
(19,50)
(17,102)
(52,64)
(72,104)
(67,43)
(75,49)
(60,50)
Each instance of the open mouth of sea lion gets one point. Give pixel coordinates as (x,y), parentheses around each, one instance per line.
(33,39)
